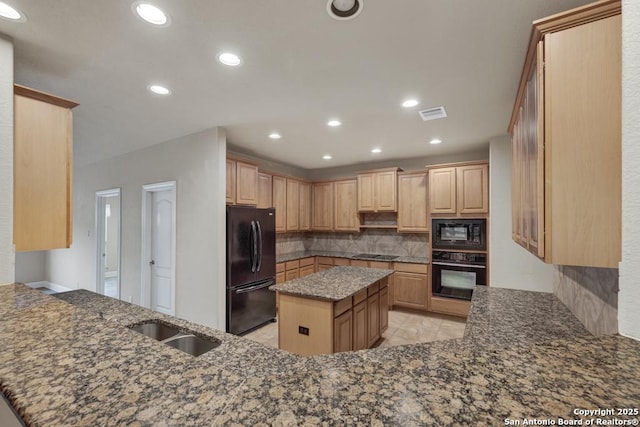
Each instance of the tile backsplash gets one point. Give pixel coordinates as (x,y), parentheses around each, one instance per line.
(377,241)
(591,294)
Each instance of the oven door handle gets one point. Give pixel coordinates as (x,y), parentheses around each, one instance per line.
(450,264)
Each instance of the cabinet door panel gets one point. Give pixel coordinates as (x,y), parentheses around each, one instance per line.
(231,182)
(293,204)
(384,309)
(360,341)
(304,207)
(246,184)
(473,189)
(265,191)
(322,201)
(280,202)
(442,191)
(343,332)
(410,290)
(412,203)
(373,314)
(346,210)
(386,191)
(366,192)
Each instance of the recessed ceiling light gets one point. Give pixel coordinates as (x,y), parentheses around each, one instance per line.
(11,13)
(275,135)
(230,59)
(334,123)
(151,14)
(159,90)
(410,103)
(435,141)
(376,151)
(327,157)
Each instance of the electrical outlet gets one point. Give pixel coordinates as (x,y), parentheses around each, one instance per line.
(302,330)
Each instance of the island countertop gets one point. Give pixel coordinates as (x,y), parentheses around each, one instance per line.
(334,284)
(64,364)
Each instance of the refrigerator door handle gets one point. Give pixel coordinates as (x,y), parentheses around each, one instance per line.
(259,252)
(254,247)
(255,288)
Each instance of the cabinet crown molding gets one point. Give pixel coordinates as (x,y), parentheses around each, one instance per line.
(43,96)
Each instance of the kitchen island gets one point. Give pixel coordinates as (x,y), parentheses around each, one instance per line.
(71,360)
(340,309)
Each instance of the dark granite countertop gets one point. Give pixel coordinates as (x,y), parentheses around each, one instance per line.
(334,284)
(292,256)
(63,364)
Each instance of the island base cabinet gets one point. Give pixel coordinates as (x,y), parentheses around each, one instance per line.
(308,326)
(305,326)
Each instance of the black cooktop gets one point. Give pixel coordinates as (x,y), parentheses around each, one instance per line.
(376,256)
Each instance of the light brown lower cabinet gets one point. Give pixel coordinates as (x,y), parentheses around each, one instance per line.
(373,313)
(292,270)
(343,330)
(360,321)
(384,309)
(324,263)
(410,286)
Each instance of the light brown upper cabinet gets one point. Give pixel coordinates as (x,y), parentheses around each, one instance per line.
(377,190)
(265,190)
(43,140)
(293,204)
(304,211)
(412,202)
(566,139)
(346,210)
(461,189)
(242,183)
(322,206)
(280,202)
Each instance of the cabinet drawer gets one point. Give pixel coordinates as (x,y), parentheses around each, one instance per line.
(411,268)
(360,296)
(307,261)
(373,288)
(307,270)
(359,263)
(290,265)
(280,267)
(325,260)
(378,264)
(384,282)
(341,306)
(341,261)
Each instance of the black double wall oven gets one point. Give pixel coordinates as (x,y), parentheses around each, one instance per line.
(459,260)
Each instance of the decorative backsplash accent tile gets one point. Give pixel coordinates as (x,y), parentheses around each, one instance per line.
(591,294)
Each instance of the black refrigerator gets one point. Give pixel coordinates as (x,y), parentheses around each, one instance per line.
(251,267)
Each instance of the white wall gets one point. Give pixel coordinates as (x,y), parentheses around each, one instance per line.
(511,265)
(7,269)
(31,266)
(197,163)
(629,295)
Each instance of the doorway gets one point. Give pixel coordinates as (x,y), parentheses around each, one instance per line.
(159,247)
(108,242)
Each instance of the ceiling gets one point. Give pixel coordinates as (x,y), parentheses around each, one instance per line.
(300,69)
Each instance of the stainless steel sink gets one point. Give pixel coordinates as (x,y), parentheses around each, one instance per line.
(178,338)
(192,344)
(156,330)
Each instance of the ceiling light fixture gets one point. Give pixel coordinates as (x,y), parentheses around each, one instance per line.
(376,151)
(410,103)
(435,141)
(344,9)
(151,14)
(159,90)
(327,157)
(275,135)
(334,123)
(230,59)
(11,13)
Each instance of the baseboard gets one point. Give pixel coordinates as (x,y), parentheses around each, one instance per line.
(49,285)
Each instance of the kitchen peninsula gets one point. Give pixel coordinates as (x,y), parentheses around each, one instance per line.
(340,309)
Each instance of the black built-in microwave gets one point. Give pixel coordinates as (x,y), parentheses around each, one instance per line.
(465,234)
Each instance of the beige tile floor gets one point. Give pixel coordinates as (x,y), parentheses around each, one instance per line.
(405,327)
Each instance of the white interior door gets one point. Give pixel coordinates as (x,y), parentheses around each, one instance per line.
(161,249)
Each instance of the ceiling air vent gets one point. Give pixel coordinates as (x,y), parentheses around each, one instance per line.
(433,113)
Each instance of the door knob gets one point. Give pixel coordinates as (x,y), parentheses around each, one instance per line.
(152,262)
